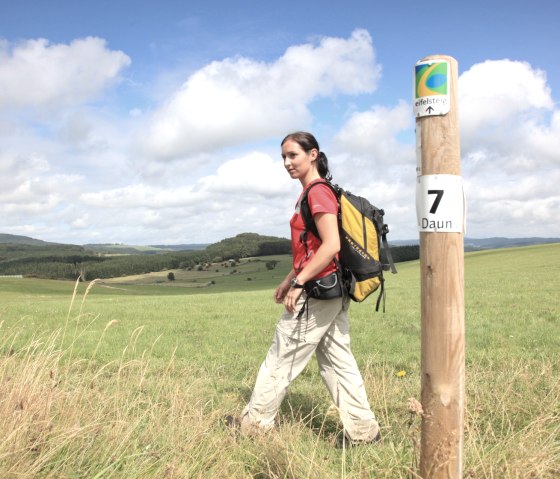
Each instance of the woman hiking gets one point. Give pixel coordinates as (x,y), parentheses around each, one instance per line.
(311,324)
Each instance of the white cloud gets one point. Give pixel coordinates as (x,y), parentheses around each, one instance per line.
(39,193)
(249,193)
(81,222)
(17,167)
(493,91)
(252,174)
(506,109)
(142,196)
(36,74)
(83,177)
(239,99)
(510,150)
(241,179)
(371,137)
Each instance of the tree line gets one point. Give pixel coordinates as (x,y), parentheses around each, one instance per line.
(71,262)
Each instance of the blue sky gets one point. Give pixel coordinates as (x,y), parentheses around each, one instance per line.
(160,122)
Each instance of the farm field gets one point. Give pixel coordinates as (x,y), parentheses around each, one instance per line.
(130,377)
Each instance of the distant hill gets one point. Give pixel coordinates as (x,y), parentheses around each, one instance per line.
(17,239)
(114,248)
(472,244)
(249,244)
(181,247)
(499,242)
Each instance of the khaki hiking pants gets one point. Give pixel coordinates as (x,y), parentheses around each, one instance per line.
(324,330)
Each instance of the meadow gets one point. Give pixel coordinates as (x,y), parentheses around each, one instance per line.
(131,377)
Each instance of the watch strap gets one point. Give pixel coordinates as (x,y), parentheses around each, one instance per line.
(294,283)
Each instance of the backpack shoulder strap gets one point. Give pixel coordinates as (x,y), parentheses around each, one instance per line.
(306,211)
(387,250)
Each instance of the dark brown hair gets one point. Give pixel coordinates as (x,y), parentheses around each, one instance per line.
(308,142)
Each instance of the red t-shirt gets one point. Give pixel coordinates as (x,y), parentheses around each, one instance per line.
(321,199)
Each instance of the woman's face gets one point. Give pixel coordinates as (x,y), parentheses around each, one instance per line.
(299,163)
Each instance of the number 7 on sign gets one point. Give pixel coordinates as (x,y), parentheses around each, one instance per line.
(437,201)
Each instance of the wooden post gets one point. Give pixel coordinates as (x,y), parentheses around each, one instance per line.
(440,209)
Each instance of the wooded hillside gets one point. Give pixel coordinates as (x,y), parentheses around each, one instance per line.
(58,261)
(53,261)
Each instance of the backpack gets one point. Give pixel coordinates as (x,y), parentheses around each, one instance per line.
(363,235)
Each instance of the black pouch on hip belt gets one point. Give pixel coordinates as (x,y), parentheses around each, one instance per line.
(327,287)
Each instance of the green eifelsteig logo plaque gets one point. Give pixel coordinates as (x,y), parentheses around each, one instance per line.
(431,88)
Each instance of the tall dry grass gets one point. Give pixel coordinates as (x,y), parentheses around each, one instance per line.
(62,416)
(128,418)
(143,418)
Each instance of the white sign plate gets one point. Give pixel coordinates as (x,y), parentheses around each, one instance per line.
(431,88)
(440,204)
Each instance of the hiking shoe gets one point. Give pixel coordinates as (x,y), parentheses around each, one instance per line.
(232,422)
(343,442)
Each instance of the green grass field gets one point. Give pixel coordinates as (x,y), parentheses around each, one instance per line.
(130,378)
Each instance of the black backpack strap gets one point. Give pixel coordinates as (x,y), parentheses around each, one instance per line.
(306,211)
(387,249)
(382,294)
(307,217)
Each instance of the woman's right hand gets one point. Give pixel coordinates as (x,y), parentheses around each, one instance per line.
(291,299)
(281,292)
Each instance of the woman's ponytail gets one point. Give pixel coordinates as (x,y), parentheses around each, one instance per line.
(323,166)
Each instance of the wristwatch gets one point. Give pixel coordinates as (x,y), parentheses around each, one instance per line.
(294,283)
